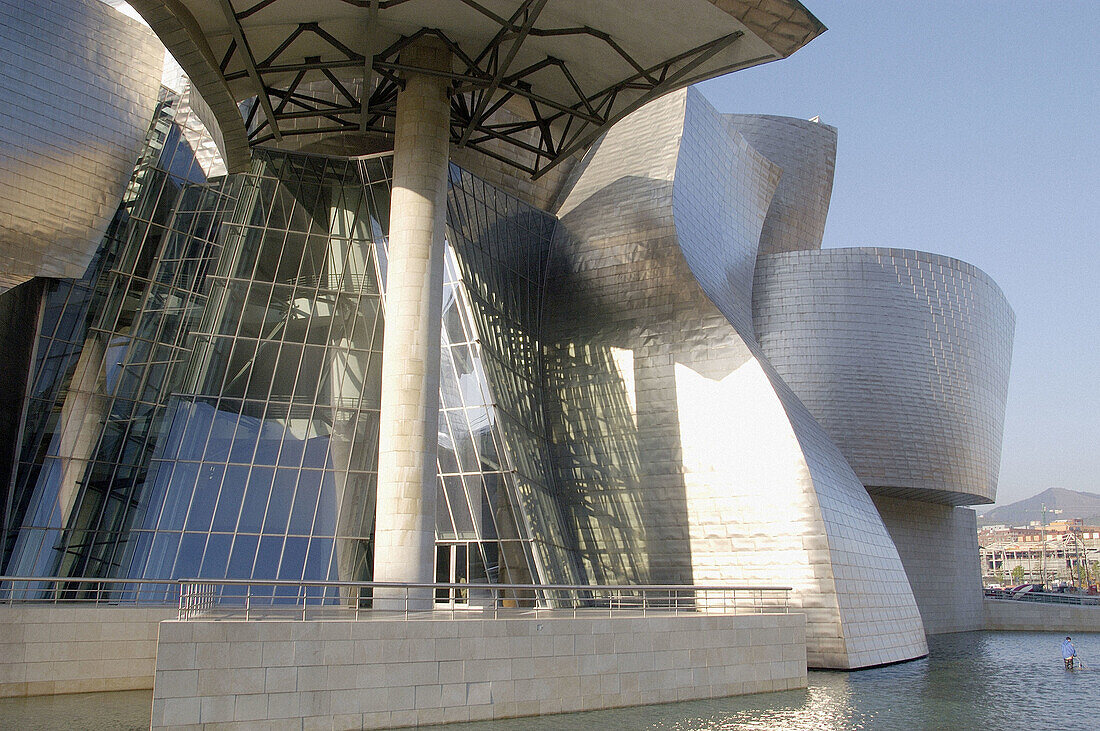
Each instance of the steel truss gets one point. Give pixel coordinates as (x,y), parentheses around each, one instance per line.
(486,82)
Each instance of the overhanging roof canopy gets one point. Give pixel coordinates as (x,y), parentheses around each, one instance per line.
(534,81)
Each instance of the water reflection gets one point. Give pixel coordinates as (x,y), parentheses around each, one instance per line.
(118,711)
(978,680)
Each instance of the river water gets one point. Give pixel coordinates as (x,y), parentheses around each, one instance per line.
(973,680)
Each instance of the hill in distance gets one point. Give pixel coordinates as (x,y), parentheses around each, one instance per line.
(1073,504)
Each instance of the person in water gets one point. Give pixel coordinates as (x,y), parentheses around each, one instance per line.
(1069,652)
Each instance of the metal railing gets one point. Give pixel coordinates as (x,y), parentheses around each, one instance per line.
(66,590)
(1043,597)
(212,599)
(250,599)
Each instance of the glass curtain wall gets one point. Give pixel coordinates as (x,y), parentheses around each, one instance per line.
(216,413)
(269,455)
(75,482)
(205,400)
(503,246)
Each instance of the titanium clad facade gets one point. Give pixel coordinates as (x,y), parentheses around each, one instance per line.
(79,82)
(806,152)
(902,356)
(731,479)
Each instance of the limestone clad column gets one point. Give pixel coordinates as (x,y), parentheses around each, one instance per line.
(407,481)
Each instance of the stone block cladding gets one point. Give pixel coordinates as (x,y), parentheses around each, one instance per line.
(79,82)
(386,674)
(806,152)
(46,650)
(1012,615)
(732,480)
(938,545)
(902,356)
(409,413)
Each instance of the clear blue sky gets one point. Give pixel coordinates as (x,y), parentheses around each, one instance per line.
(970,129)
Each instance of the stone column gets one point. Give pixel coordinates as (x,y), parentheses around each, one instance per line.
(407,480)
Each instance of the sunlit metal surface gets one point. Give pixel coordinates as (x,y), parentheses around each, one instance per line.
(806,151)
(902,356)
(720,471)
(80,84)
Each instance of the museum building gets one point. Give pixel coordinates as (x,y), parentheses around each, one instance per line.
(646,369)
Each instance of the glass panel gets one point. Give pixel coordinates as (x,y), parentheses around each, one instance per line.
(231,498)
(305,502)
(242,557)
(215,560)
(256,498)
(282,497)
(206,495)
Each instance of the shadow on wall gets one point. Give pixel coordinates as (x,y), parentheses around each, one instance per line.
(616,330)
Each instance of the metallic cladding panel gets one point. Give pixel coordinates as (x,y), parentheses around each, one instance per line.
(714,169)
(709,466)
(939,546)
(79,82)
(806,151)
(902,356)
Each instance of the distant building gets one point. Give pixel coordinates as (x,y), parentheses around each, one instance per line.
(1064,551)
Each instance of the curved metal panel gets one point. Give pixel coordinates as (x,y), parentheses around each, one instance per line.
(806,151)
(715,470)
(79,84)
(722,189)
(179,31)
(902,356)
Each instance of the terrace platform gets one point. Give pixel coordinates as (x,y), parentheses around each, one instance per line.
(385,673)
(241,654)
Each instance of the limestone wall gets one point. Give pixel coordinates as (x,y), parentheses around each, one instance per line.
(386,673)
(50,649)
(1011,614)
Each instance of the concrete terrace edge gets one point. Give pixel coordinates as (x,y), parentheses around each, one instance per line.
(55,649)
(388,673)
(1024,616)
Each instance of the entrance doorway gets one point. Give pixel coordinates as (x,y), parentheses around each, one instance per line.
(452,566)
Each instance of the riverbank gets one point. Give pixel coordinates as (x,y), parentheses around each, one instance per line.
(970,680)
(1015,615)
